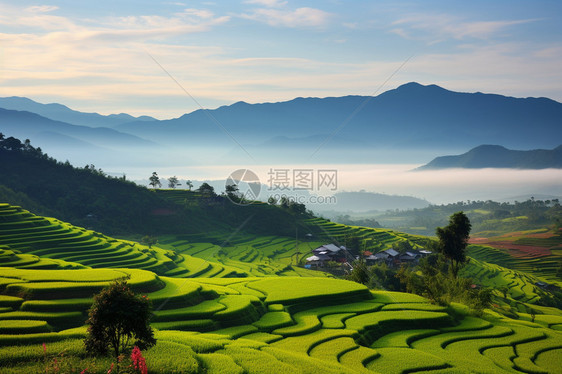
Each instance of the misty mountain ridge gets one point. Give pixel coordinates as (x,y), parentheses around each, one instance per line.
(59,112)
(411,115)
(401,125)
(496,156)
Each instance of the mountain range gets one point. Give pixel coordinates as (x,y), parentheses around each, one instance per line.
(496,156)
(59,112)
(404,125)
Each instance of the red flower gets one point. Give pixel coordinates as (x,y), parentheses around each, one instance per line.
(139,361)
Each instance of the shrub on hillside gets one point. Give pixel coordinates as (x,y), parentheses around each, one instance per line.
(116,317)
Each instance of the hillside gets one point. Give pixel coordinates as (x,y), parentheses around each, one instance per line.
(495,156)
(258,327)
(230,291)
(255,325)
(89,198)
(488,218)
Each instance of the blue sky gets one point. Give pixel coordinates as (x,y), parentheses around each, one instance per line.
(95,56)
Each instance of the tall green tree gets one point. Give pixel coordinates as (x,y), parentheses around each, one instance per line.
(119,319)
(154,180)
(453,240)
(189,184)
(233,192)
(173,182)
(206,190)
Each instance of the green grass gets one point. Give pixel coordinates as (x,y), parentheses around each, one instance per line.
(400,360)
(23,326)
(307,290)
(273,320)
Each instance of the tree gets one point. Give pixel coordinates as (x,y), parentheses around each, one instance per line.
(149,240)
(189,184)
(359,274)
(155,180)
(12,144)
(173,182)
(284,202)
(453,240)
(207,190)
(232,192)
(115,318)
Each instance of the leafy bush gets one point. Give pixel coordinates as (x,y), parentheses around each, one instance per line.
(116,316)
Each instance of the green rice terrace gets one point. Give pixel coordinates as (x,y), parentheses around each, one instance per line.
(241,303)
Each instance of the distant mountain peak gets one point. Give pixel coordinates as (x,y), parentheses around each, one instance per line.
(418,86)
(497,156)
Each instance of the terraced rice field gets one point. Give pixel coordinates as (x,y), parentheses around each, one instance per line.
(242,254)
(259,325)
(540,267)
(30,241)
(39,242)
(238,304)
(538,252)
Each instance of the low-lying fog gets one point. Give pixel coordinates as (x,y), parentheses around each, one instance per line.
(436,186)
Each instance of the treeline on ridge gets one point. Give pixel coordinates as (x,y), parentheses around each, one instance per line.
(89,198)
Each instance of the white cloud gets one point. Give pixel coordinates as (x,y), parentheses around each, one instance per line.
(268,3)
(201,13)
(448,26)
(300,17)
(41,8)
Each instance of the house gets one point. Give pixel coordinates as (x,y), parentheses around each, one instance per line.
(327,248)
(408,257)
(327,252)
(317,260)
(389,256)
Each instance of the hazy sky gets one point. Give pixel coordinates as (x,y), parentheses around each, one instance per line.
(95,55)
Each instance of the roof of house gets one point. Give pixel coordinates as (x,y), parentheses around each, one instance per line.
(406,256)
(392,252)
(330,247)
(319,258)
(380,255)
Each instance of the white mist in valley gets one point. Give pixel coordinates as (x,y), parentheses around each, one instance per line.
(436,186)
